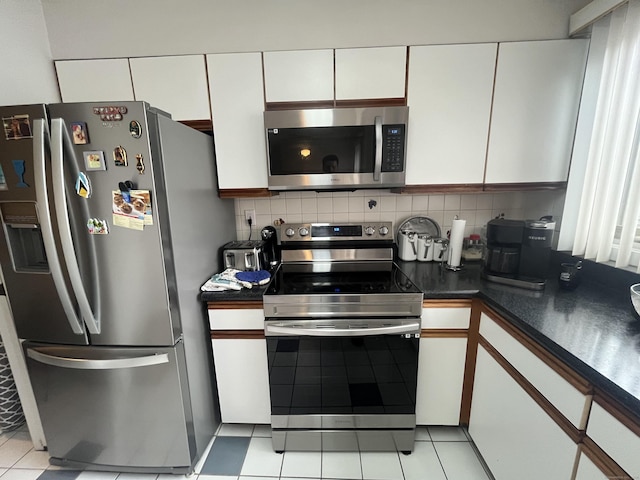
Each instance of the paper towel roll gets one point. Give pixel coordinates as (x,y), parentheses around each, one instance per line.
(455,242)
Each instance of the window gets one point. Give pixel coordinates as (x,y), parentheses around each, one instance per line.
(603,197)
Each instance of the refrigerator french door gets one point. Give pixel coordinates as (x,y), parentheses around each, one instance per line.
(105,296)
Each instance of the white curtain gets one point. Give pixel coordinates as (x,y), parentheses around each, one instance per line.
(611,191)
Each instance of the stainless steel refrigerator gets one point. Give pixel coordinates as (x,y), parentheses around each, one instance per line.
(111,222)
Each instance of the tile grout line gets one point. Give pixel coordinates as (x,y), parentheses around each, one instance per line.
(440,461)
(400,462)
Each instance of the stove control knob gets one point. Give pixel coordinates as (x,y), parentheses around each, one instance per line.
(304,231)
(368,231)
(384,230)
(289,232)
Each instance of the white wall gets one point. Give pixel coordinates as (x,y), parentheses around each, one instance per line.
(124,28)
(27,75)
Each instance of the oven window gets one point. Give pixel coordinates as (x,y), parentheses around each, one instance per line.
(316,150)
(343,375)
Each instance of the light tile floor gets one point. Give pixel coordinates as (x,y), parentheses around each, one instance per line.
(244,452)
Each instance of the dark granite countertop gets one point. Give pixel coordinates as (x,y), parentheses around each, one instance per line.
(594,328)
(245,295)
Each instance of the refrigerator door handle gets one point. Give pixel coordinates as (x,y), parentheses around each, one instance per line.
(40,138)
(91,364)
(60,139)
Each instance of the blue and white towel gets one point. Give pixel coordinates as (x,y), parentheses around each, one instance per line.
(232,279)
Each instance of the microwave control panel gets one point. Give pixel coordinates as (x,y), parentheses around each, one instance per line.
(393,139)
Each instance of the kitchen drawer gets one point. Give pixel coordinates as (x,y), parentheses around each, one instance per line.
(446,317)
(236,319)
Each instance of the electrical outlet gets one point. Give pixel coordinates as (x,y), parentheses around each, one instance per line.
(250,215)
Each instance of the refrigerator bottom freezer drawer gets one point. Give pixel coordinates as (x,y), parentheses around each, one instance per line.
(124,409)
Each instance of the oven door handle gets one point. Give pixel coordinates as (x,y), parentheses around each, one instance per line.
(329,330)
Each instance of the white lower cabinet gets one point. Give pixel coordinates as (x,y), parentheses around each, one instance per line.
(570,401)
(587,470)
(441,363)
(617,440)
(242,379)
(515,436)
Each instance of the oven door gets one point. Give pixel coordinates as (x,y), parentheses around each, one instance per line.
(343,384)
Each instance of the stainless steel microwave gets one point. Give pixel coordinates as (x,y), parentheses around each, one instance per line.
(336,149)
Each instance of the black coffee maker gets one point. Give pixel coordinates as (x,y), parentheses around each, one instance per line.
(518,252)
(271,250)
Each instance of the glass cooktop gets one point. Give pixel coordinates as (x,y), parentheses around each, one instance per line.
(341,278)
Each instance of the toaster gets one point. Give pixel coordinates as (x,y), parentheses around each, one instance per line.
(244,255)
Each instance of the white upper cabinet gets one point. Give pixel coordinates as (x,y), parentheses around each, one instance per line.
(535,108)
(363,73)
(177,85)
(449,97)
(298,76)
(237,105)
(94,80)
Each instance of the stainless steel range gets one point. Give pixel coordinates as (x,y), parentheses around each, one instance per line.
(342,328)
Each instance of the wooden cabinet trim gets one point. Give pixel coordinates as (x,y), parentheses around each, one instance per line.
(568,428)
(205,126)
(479,187)
(617,411)
(440,188)
(444,303)
(604,462)
(372,102)
(237,334)
(509,187)
(558,366)
(235,305)
(470,362)
(443,333)
(245,193)
(275,106)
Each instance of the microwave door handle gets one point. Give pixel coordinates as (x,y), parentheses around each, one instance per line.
(59,139)
(377,167)
(40,139)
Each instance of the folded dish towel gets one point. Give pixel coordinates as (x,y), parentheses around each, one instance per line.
(232,279)
(222,281)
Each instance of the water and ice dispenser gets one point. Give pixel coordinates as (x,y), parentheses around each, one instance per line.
(24,237)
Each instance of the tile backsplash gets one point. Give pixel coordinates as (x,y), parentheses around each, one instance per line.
(382,205)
